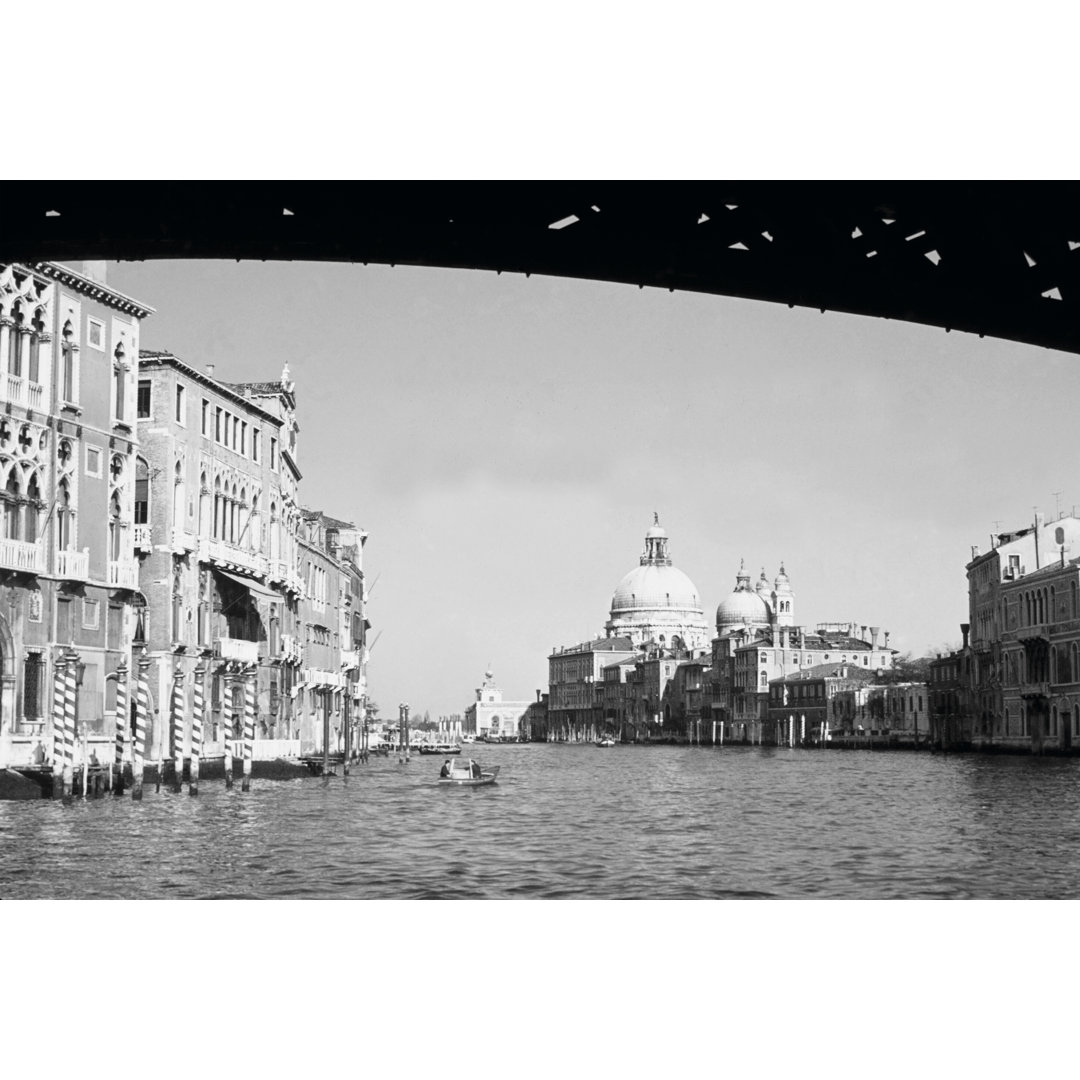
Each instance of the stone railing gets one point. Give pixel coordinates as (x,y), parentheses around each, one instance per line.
(226,555)
(247,652)
(123,573)
(73,565)
(20,391)
(19,555)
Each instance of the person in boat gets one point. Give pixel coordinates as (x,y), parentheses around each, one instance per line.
(475,768)
(445,770)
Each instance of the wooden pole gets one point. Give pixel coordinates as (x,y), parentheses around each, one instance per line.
(138,746)
(58,726)
(177,728)
(325,733)
(346,720)
(249,726)
(121,725)
(226,740)
(198,706)
(71,697)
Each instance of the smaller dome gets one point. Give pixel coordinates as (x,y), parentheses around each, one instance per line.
(741,608)
(763,586)
(655,531)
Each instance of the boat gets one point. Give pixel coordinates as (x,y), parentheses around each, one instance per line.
(469,774)
(607,740)
(446,749)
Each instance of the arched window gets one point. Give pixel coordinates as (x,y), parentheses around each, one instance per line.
(15,353)
(178,496)
(37,329)
(119,382)
(1052,611)
(204,506)
(275,533)
(13,507)
(234,515)
(243,533)
(219,509)
(33,508)
(65,534)
(142,492)
(115,528)
(67,363)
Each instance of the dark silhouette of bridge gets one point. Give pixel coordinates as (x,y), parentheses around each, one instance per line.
(993,258)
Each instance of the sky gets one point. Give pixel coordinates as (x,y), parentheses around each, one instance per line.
(505,442)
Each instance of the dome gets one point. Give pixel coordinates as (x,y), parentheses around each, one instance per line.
(742,607)
(651,587)
(764,589)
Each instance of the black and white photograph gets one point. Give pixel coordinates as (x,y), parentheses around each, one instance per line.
(391,513)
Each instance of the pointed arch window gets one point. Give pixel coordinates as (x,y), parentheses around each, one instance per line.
(12,505)
(142,492)
(116,531)
(120,371)
(65,518)
(33,509)
(15,355)
(178,496)
(37,331)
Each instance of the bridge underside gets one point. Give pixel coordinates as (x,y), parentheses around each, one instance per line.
(998,258)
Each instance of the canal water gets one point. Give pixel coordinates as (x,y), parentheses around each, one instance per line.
(578,821)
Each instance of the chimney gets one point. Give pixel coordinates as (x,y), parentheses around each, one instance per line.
(965,629)
(886,644)
(874,631)
(209,371)
(863,634)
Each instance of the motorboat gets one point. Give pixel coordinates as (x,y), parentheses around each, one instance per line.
(468,773)
(607,740)
(440,748)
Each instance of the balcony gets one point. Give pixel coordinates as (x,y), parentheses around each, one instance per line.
(20,391)
(21,556)
(73,565)
(142,538)
(246,652)
(1038,630)
(123,574)
(228,556)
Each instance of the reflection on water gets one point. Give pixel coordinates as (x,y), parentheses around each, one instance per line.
(577,821)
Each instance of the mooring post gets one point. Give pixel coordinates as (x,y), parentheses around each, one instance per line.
(176,727)
(122,721)
(142,711)
(249,726)
(198,705)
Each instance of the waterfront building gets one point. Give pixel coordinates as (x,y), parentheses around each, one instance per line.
(68,444)
(208,527)
(576,685)
(332,678)
(1021,564)
(900,709)
(491,716)
(802,703)
(949,691)
(757,641)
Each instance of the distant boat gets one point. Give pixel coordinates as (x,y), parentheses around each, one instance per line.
(445,749)
(468,774)
(607,740)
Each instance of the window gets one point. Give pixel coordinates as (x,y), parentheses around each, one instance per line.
(217,423)
(273,454)
(205,422)
(255,446)
(33,678)
(243,437)
(120,371)
(95,334)
(142,404)
(142,492)
(93,461)
(67,364)
(91,614)
(180,405)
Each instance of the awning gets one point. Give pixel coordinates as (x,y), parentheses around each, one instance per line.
(256,588)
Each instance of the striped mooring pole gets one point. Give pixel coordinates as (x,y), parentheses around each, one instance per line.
(177,727)
(249,726)
(71,691)
(227,734)
(121,724)
(142,713)
(58,726)
(197,708)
